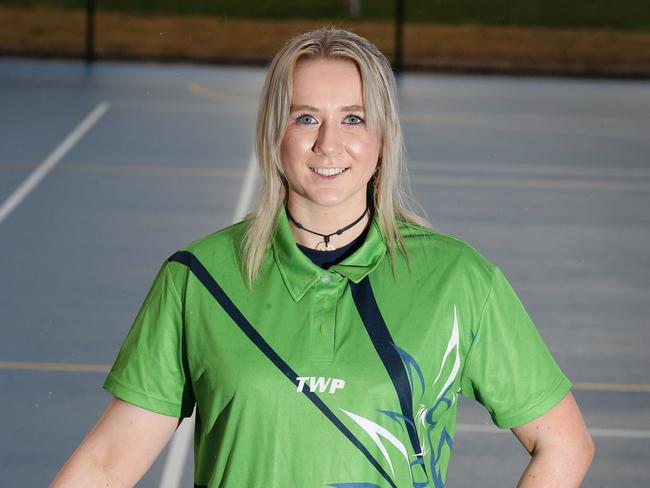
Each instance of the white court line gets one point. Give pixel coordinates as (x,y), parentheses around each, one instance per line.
(594,431)
(621,433)
(182,440)
(51,161)
(520,183)
(519,168)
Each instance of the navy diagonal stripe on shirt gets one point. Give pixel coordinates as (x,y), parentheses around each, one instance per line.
(192,262)
(366,304)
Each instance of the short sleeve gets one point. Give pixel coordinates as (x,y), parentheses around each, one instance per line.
(151,369)
(508,367)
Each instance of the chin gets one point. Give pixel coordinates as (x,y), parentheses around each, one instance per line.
(326,200)
(327,203)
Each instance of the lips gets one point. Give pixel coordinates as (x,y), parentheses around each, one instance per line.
(328,171)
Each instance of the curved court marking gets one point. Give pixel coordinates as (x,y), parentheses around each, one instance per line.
(189,107)
(182,440)
(36,176)
(220,95)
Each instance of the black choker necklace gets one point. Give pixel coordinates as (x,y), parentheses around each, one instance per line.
(325,245)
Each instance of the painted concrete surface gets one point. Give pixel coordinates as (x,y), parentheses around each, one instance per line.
(549,178)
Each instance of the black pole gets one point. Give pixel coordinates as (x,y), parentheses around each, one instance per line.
(398,63)
(90,31)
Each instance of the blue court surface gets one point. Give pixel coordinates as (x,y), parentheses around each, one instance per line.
(107,170)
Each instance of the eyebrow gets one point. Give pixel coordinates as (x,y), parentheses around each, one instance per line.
(347,108)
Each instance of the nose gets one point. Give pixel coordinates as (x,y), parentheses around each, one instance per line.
(328,141)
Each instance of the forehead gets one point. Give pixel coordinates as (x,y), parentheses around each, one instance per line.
(327,80)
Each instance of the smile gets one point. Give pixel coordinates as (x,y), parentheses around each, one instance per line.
(328,171)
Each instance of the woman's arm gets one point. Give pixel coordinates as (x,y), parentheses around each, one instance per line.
(560,446)
(119,448)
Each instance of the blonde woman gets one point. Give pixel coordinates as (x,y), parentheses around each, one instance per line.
(324,339)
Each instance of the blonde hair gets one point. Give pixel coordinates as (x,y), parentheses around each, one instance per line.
(391,200)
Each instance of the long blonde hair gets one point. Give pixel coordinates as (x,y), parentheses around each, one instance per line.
(391,201)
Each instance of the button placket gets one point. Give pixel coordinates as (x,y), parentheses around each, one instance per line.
(323,327)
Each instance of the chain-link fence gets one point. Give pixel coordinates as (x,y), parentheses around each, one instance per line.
(553,36)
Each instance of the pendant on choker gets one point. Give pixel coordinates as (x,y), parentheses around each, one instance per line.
(324,246)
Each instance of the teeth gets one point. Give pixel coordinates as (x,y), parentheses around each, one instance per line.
(328,171)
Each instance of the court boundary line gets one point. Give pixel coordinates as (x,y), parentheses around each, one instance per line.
(521,123)
(458,169)
(527,183)
(594,431)
(611,387)
(104,368)
(142,168)
(53,367)
(182,439)
(518,168)
(586,125)
(41,171)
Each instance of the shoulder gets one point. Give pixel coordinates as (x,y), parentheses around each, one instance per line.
(427,241)
(432,249)
(214,245)
(219,252)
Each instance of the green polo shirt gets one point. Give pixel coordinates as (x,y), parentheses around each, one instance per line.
(346,377)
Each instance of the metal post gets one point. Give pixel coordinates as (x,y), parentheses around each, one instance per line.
(90,31)
(398,63)
(354,8)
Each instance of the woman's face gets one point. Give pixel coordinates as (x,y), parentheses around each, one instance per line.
(328,154)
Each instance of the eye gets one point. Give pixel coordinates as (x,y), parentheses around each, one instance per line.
(354,120)
(305,119)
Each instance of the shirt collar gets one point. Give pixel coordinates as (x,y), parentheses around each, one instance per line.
(300,273)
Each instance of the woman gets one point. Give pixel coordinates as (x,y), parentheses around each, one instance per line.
(324,340)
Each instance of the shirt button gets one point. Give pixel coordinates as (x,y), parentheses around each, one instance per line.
(326,278)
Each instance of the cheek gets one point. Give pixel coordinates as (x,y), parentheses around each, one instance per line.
(365,150)
(285,148)
(293,148)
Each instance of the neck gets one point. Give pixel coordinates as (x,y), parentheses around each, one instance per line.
(326,220)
